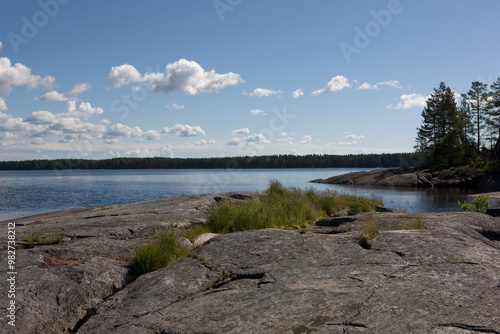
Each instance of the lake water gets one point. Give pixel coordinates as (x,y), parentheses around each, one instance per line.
(24,193)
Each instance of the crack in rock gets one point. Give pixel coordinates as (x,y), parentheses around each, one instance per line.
(479,329)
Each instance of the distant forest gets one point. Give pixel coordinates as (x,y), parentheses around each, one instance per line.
(268,161)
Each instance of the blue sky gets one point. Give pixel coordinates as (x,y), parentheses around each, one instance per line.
(101,79)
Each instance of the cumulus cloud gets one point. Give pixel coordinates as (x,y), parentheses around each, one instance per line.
(244,131)
(53,96)
(389,83)
(351,136)
(3,105)
(297,93)
(347,143)
(1,45)
(84,110)
(184,130)
(306,139)
(123,75)
(336,84)
(152,135)
(20,75)
(204,142)
(260,92)
(79,88)
(122,130)
(256,138)
(410,101)
(174,106)
(73,93)
(257,111)
(181,76)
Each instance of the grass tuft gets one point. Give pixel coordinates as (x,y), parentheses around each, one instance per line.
(43,237)
(284,208)
(368,231)
(158,253)
(415,224)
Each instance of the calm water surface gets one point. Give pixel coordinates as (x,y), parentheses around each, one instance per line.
(24,193)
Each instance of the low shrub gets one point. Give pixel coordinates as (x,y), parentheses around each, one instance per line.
(479,204)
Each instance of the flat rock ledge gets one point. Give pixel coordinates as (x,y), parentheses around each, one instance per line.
(465,177)
(444,279)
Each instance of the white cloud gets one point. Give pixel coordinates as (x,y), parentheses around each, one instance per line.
(256,138)
(79,88)
(204,142)
(257,111)
(73,93)
(354,137)
(297,93)
(1,45)
(184,130)
(3,105)
(366,86)
(306,139)
(410,101)
(123,75)
(174,106)
(53,96)
(181,76)
(122,130)
(390,83)
(283,134)
(84,110)
(260,92)
(336,84)
(244,131)
(152,135)
(347,143)
(20,75)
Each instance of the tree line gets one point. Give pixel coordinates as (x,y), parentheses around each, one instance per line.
(385,160)
(468,133)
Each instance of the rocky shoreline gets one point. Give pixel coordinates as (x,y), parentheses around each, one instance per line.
(465,177)
(444,279)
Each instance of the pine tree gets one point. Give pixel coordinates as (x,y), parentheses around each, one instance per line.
(494,116)
(438,139)
(477,97)
(466,130)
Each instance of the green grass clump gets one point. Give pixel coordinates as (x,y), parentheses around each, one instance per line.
(43,238)
(415,224)
(194,230)
(368,231)
(284,208)
(158,253)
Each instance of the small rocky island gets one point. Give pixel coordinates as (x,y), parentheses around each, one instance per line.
(465,177)
(441,279)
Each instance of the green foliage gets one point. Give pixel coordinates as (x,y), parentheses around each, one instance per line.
(43,237)
(284,208)
(479,204)
(158,253)
(368,231)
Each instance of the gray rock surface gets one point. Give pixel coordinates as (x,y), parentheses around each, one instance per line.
(444,279)
(60,285)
